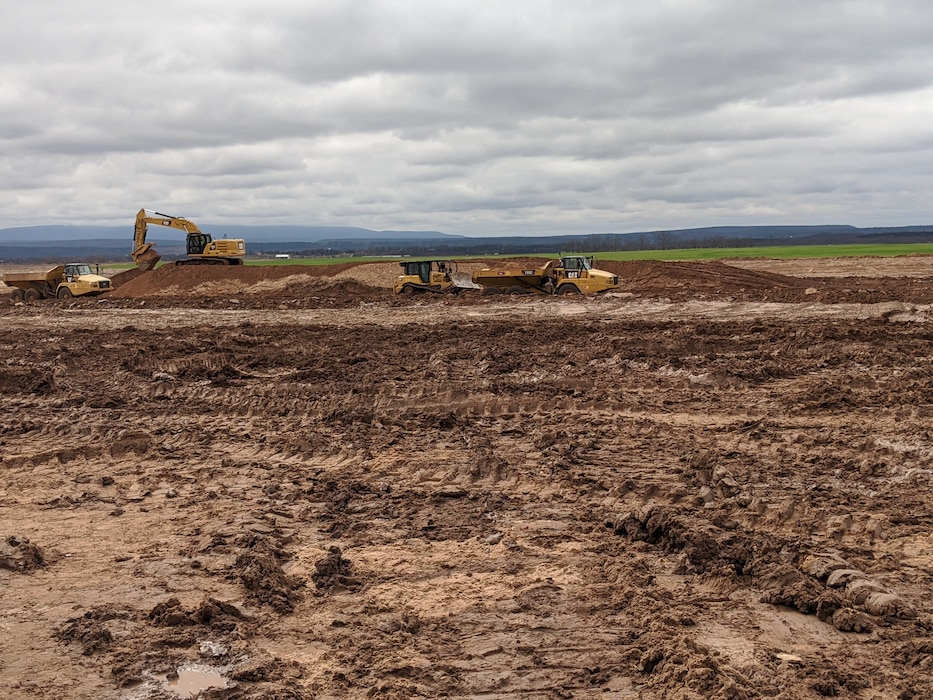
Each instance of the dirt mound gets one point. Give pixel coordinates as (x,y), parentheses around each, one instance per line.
(122,278)
(210,280)
(333,571)
(653,276)
(344,285)
(211,612)
(88,631)
(259,569)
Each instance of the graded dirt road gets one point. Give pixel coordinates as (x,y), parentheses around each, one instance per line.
(276,483)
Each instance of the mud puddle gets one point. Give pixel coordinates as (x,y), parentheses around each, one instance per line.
(191,681)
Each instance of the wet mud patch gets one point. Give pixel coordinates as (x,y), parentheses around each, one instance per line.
(824,585)
(172,643)
(259,570)
(668,661)
(704,547)
(89,631)
(215,614)
(334,573)
(39,382)
(20,555)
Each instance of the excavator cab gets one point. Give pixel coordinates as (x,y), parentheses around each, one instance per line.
(197,243)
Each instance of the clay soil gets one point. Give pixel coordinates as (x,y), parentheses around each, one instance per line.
(289,483)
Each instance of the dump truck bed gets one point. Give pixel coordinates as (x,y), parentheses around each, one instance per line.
(24,280)
(505,279)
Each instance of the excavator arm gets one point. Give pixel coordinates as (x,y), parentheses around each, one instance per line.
(144,254)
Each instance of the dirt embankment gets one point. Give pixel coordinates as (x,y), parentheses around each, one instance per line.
(350,283)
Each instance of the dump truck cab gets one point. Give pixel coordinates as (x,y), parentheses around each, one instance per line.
(575,274)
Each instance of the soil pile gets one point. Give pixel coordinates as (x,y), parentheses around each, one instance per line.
(681,281)
(348,283)
(212,280)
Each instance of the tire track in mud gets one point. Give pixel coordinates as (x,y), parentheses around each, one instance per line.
(466,476)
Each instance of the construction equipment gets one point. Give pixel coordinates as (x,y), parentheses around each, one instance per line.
(433,276)
(61,282)
(572,274)
(202,248)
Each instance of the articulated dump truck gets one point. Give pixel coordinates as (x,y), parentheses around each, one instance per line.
(572,274)
(62,282)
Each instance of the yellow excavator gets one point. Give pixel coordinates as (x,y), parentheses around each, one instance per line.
(202,248)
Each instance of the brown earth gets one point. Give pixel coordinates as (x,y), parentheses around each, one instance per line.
(288,483)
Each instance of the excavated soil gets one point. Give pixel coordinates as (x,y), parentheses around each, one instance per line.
(289,483)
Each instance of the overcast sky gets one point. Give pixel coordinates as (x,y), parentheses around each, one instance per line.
(473,117)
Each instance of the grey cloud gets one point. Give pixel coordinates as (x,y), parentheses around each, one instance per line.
(474,117)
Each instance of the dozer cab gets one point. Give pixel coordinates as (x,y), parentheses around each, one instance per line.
(202,248)
(432,276)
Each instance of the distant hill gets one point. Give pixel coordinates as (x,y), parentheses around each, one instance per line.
(252,233)
(103,243)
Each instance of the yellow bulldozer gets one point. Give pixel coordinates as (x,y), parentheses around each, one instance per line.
(432,276)
(202,248)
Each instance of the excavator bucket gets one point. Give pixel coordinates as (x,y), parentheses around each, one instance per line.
(146,258)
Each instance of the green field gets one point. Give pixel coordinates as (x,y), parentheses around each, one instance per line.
(797,251)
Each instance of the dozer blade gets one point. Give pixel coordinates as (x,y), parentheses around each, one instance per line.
(463,280)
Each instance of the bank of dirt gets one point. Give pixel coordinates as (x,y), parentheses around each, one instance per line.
(277,483)
(855,281)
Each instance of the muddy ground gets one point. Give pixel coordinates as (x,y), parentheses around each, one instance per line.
(278,483)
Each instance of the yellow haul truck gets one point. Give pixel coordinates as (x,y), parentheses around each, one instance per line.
(62,282)
(572,274)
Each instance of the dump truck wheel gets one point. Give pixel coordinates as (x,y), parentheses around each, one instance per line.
(64,293)
(568,289)
(515,290)
(32,295)
(491,290)
(17,295)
